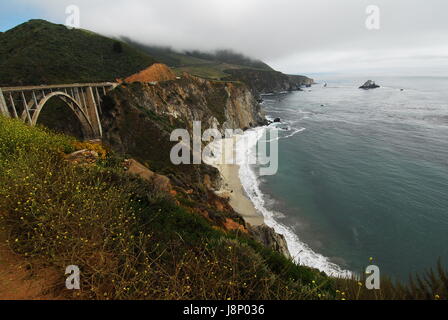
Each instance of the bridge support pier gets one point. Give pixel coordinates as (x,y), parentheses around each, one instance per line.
(92,113)
(3,106)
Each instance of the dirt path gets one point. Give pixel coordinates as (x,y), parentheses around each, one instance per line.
(18,281)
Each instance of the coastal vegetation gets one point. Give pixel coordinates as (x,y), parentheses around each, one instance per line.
(130,240)
(207,64)
(133,241)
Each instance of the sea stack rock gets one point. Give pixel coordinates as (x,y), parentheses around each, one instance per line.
(276,120)
(369,85)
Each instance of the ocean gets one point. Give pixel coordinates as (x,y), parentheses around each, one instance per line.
(361,174)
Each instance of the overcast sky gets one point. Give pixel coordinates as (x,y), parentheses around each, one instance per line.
(294,36)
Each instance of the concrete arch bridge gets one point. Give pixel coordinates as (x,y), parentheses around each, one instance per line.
(85,100)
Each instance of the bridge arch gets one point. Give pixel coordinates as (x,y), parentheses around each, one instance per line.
(88,130)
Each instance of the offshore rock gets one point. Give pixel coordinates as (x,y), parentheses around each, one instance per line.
(369,85)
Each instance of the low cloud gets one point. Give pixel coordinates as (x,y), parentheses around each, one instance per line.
(294,35)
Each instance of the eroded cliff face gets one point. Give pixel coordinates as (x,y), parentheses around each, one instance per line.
(138,118)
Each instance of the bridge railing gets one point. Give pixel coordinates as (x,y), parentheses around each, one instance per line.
(60,86)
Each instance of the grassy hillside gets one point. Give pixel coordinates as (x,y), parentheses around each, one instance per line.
(39,52)
(230,57)
(225,65)
(133,242)
(201,64)
(130,240)
(166,55)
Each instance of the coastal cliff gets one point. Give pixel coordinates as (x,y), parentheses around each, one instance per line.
(138,119)
(217,104)
(262,81)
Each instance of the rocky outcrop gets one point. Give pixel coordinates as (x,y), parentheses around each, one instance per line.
(134,167)
(262,81)
(82,157)
(232,225)
(155,73)
(270,239)
(369,85)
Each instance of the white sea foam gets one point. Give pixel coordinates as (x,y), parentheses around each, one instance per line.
(301,253)
(295,132)
(245,149)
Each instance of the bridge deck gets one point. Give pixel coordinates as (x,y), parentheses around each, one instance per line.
(58,86)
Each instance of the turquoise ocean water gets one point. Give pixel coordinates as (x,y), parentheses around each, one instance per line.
(361,174)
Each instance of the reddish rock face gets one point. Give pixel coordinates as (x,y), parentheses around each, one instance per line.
(231,225)
(155,73)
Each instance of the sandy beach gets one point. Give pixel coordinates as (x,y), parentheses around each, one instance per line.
(232,187)
(238,199)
